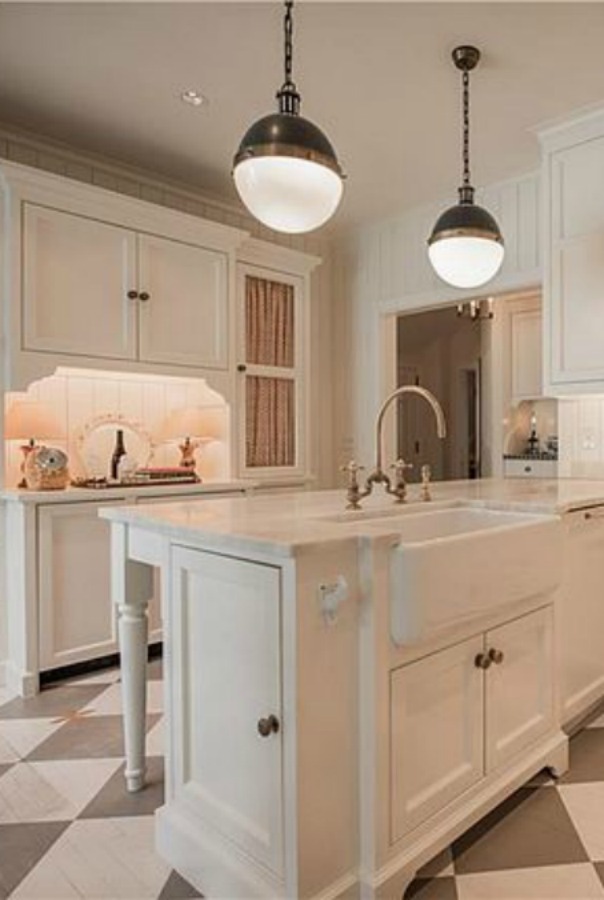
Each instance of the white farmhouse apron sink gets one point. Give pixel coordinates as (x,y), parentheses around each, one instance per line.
(455,564)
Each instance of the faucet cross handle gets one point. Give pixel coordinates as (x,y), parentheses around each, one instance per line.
(426,476)
(353,491)
(400,484)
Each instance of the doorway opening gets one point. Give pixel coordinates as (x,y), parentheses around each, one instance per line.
(442,351)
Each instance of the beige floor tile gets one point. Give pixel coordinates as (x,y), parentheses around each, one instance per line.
(574,882)
(110,701)
(52,791)
(585,805)
(105,859)
(18,737)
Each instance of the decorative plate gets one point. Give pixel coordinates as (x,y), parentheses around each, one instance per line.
(96,442)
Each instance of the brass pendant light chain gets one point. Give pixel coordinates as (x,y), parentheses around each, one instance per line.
(288,96)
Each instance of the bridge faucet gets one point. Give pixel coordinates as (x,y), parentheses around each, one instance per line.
(354,493)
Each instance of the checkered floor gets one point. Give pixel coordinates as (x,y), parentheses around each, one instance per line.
(68,829)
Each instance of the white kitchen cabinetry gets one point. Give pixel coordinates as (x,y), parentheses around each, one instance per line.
(525,354)
(229,740)
(59,578)
(95,289)
(273,288)
(466,711)
(103,278)
(573,184)
(437,715)
(76,619)
(76,276)
(580,631)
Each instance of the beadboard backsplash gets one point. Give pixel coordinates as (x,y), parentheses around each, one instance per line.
(77,396)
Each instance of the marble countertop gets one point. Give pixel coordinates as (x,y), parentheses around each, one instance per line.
(119,492)
(283,524)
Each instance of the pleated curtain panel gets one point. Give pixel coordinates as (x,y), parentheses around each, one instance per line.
(270,401)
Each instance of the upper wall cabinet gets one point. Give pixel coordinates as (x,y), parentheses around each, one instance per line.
(96,278)
(573,180)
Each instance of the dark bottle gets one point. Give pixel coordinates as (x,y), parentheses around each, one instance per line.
(119,451)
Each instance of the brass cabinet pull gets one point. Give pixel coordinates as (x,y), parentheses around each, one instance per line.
(268,726)
(132,295)
(144,296)
(482,661)
(496,656)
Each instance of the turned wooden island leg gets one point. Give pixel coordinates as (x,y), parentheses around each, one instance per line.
(131,588)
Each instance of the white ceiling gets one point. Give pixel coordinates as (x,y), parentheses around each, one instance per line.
(377,77)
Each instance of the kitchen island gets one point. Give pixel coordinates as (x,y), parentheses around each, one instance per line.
(348,691)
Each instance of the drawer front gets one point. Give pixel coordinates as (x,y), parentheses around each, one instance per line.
(530,468)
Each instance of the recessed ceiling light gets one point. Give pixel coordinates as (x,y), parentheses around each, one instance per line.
(193,98)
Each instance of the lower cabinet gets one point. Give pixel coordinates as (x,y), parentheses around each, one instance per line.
(225,698)
(465,711)
(580,632)
(76,619)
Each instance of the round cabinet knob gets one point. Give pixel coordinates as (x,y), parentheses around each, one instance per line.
(268,726)
(132,295)
(242,367)
(528,468)
(144,296)
(496,656)
(482,661)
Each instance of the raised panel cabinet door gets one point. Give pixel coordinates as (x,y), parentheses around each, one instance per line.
(519,686)
(527,355)
(577,298)
(225,625)
(77,274)
(436,741)
(580,611)
(183,304)
(76,616)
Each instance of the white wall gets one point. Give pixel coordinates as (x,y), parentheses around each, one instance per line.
(383,268)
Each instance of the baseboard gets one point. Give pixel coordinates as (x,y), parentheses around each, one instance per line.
(211,863)
(25,684)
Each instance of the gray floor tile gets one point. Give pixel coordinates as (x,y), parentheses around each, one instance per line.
(4,767)
(60,700)
(532,828)
(432,889)
(155,670)
(176,888)
(586,757)
(113,799)
(599,867)
(88,738)
(21,847)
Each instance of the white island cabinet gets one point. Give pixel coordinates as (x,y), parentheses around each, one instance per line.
(314,751)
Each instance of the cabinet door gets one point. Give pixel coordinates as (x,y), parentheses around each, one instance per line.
(437,723)
(184,321)
(272,360)
(225,627)
(576,268)
(526,339)
(520,688)
(76,617)
(77,273)
(580,632)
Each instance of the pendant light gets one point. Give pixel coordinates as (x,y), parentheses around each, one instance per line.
(285,170)
(466,246)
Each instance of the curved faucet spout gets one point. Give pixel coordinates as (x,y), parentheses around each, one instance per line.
(441,425)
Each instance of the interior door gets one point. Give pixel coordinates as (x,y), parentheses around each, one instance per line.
(77,274)
(183,304)
(520,685)
(226,633)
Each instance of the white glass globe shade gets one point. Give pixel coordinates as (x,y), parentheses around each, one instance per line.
(288,194)
(466,262)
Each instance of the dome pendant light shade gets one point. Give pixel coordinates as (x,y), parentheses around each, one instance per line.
(466,246)
(285,170)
